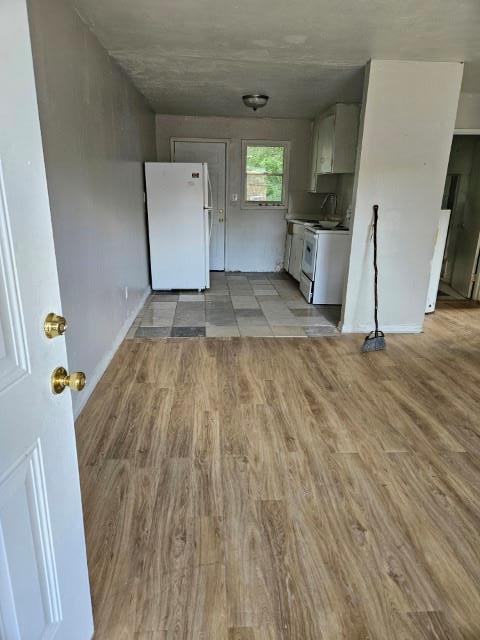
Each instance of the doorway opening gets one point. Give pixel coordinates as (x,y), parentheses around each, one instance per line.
(459,278)
(214,153)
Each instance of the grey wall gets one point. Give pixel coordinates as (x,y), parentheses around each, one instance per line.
(97,130)
(468,113)
(255,239)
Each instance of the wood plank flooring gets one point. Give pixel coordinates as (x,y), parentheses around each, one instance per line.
(264,489)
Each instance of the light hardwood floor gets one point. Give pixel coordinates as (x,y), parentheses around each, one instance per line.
(261,489)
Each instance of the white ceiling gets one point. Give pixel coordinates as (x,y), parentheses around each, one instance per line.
(198,57)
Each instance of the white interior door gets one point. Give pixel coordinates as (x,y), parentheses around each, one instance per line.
(44,591)
(214,154)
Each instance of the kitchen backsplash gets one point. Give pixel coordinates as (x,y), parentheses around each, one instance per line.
(304,205)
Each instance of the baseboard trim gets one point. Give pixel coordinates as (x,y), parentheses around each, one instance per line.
(101,367)
(392,328)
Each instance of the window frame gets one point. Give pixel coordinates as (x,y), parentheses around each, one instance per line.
(264,204)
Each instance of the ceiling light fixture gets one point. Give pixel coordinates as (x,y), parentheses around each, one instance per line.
(254,101)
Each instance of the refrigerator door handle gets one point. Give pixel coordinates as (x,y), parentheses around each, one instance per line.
(210,194)
(210,226)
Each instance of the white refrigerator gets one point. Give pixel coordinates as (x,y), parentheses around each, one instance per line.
(178,204)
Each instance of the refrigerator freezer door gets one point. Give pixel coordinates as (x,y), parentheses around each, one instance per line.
(177,225)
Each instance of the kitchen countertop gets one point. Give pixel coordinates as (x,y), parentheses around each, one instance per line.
(312,222)
(303,221)
(319,230)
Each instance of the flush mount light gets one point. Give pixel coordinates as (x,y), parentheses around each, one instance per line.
(254,101)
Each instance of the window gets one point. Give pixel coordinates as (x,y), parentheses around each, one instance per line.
(265,173)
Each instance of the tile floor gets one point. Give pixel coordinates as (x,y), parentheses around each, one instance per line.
(237,304)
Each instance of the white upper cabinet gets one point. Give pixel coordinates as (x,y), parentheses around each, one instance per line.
(334,142)
(325,145)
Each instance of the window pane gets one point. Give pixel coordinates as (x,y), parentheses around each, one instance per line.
(261,162)
(265,159)
(274,188)
(264,188)
(256,187)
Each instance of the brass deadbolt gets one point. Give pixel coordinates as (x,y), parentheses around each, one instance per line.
(60,379)
(54,325)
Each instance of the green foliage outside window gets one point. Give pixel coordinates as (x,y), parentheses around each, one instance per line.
(265,166)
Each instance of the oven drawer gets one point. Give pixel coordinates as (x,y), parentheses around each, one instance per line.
(306,287)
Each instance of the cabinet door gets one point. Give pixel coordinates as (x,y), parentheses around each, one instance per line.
(345,138)
(325,144)
(313,157)
(288,250)
(295,266)
(292,260)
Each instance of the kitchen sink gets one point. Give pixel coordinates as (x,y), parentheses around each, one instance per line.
(325,224)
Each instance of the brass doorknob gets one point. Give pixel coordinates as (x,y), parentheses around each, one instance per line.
(54,325)
(60,379)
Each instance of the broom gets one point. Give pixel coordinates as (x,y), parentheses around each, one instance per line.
(375,341)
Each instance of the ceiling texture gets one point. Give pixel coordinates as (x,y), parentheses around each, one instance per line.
(198,57)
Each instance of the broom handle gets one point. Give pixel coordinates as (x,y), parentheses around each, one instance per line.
(375,223)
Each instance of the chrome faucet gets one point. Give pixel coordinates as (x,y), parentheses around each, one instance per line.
(326,199)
